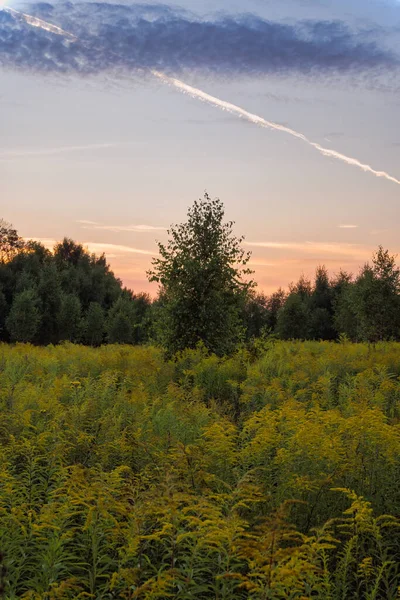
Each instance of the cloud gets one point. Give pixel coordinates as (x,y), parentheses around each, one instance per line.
(116,248)
(111,250)
(348,226)
(120,37)
(121,228)
(318,248)
(31,153)
(261,122)
(48,243)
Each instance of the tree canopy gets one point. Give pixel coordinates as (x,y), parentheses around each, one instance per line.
(10,241)
(206,294)
(203,274)
(67,294)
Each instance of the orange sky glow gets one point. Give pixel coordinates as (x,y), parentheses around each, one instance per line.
(275,264)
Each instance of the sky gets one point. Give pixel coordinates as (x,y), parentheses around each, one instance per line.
(101,142)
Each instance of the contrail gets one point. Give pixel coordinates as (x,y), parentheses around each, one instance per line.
(261,122)
(35,22)
(222,104)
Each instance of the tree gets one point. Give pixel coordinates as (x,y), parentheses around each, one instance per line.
(293,319)
(376,298)
(121,322)
(321,324)
(69,252)
(69,318)
(261,312)
(142,306)
(321,296)
(302,288)
(369,309)
(3,312)
(201,272)
(94,325)
(49,291)
(275,302)
(23,320)
(344,317)
(386,313)
(10,242)
(69,271)
(256,315)
(321,307)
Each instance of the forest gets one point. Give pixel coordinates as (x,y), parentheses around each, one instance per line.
(210,443)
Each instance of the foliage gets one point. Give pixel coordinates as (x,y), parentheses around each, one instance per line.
(68,294)
(204,296)
(24,317)
(201,272)
(267,475)
(69,318)
(10,242)
(373,301)
(293,318)
(94,325)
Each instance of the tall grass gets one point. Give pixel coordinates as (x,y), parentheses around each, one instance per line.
(126,476)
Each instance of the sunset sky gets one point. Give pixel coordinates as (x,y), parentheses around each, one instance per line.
(95,147)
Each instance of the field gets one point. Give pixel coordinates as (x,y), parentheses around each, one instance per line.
(270,474)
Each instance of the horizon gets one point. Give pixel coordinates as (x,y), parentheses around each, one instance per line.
(111,251)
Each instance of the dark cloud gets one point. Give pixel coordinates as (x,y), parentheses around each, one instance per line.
(129,37)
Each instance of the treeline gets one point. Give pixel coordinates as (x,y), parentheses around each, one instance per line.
(363,308)
(64,295)
(206,295)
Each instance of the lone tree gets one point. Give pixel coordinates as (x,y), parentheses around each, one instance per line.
(202,275)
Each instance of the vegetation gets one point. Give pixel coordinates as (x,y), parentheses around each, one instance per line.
(65,295)
(265,475)
(201,272)
(205,295)
(221,462)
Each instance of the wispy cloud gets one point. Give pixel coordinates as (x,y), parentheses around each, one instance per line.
(32,152)
(318,34)
(116,36)
(348,226)
(318,248)
(120,228)
(98,247)
(103,247)
(47,242)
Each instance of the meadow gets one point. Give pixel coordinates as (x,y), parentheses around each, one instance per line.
(269,474)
